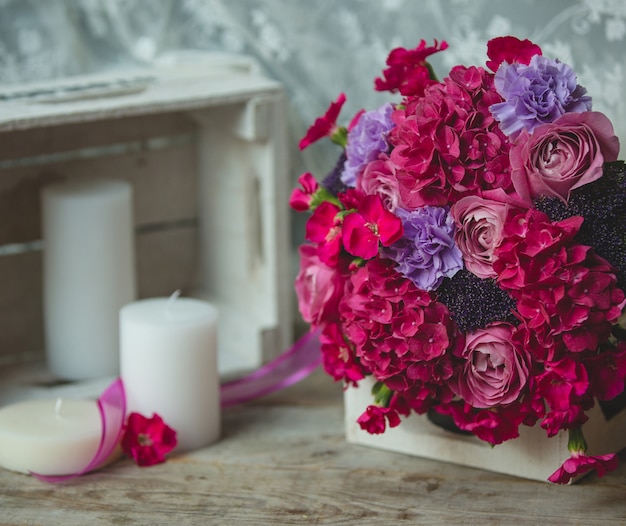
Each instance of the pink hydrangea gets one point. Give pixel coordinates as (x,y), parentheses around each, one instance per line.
(400,333)
(447,144)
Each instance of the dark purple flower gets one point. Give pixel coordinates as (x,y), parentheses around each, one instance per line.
(366,140)
(426,254)
(536,93)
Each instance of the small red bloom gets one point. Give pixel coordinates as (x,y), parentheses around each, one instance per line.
(579,463)
(324,228)
(325,125)
(147,440)
(510,49)
(362,230)
(408,70)
(301,197)
(338,358)
(373,419)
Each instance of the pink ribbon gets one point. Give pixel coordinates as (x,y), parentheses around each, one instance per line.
(290,367)
(296,363)
(112,407)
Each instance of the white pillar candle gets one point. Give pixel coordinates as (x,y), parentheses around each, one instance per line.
(49,437)
(89,274)
(168,362)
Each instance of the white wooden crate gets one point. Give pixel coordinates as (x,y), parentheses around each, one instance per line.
(531,456)
(202,140)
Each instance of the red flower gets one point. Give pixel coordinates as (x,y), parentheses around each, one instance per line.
(579,463)
(324,126)
(607,372)
(338,358)
(373,419)
(408,70)
(510,49)
(362,230)
(147,440)
(301,197)
(324,228)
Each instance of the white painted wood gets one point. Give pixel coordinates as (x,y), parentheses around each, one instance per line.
(531,456)
(202,139)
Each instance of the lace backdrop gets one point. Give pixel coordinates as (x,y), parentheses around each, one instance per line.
(315,48)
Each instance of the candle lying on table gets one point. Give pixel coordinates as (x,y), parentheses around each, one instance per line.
(49,437)
(89,274)
(168,363)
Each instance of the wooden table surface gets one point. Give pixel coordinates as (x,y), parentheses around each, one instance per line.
(283,460)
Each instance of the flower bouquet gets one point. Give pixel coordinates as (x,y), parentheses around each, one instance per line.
(465,257)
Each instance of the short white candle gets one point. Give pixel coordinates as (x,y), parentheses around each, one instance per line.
(89,274)
(168,362)
(49,437)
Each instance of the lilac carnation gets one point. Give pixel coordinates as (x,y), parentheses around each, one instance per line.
(536,94)
(426,254)
(366,141)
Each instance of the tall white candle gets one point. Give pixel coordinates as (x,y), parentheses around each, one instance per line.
(168,361)
(49,437)
(89,274)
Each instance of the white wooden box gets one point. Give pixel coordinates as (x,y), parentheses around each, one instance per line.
(202,138)
(531,456)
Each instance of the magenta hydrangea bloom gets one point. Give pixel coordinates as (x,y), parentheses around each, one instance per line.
(535,94)
(427,253)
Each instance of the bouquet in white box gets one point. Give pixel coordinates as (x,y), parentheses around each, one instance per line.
(467,251)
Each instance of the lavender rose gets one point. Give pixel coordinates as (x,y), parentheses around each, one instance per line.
(479,224)
(318,287)
(494,371)
(426,254)
(366,140)
(537,93)
(564,155)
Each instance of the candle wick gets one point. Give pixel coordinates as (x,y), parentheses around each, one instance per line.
(57,408)
(170,303)
(173,298)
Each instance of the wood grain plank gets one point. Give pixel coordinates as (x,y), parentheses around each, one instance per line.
(164,187)
(18,144)
(284,460)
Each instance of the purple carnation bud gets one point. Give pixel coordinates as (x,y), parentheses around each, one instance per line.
(426,254)
(366,141)
(535,94)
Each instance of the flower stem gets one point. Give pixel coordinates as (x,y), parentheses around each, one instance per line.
(576,442)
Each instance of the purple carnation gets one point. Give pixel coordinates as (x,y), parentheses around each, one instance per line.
(366,141)
(426,253)
(536,94)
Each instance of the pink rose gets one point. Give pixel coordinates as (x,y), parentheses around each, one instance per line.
(479,224)
(379,178)
(317,286)
(563,155)
(495,371)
